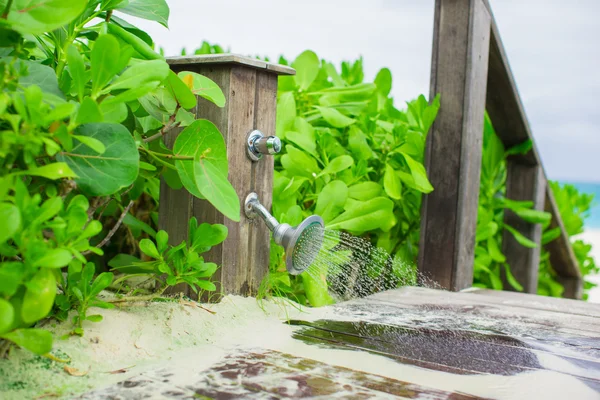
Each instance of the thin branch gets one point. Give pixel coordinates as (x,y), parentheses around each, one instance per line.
(114,228)
(6,9)
(108,15)
(170,156)
(169,126)
(133,299)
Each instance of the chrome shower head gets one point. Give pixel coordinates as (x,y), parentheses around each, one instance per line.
(301,243)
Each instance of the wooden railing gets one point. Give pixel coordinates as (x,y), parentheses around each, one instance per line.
(470,71)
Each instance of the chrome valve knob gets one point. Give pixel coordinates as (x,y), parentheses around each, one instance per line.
(259,144)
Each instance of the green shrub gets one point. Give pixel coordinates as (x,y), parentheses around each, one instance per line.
(84,104)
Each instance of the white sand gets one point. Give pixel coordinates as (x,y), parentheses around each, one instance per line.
(189,339)
(593,236)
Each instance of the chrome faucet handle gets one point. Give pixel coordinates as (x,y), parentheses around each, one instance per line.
(259,144)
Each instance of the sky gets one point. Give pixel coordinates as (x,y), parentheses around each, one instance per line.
(553,47)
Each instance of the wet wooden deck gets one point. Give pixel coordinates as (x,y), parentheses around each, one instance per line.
(484,344)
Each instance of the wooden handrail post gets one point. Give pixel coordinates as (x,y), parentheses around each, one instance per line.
(250,89)
(453,151)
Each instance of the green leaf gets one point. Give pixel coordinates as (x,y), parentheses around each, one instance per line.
(105,62)
(88,112)
(94,318)
(357,142)
(153,10)
(303,141)
(137,226)
(364,191)
(206,236)
(286,113)
(115,112)
(523,241)
(335,118)
(331,200)
(37,341)
(392,183)
(7,315)
(296,162)
(162,241)
(39,75)
(116,168)
(77,70)
(203,87)
(206,285)
(307,69)
(101,282)
(148,247)
(141,73)
(533,216)
(551,235)
(11,276)
(315,286)
(11,221)
(522,148)
(494,250)
(92,143)
(484,232)
(511,279)
(338,164)
(54,258)
(417,170)
(383,80)
(374,214)
(51,171)
(180,91)
(207,173)
(39,16)
(39,296)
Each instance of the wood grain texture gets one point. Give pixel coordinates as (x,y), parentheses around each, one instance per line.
(231,59)
(453,150)
(523,182)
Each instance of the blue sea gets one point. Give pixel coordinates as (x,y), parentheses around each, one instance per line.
(593,222)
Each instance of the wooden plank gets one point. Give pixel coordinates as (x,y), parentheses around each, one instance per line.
(562,257)
(453,149)
(535,302)
(231,59)
(523,182)
(262,179)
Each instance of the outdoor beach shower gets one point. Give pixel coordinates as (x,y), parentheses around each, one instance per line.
(301,243)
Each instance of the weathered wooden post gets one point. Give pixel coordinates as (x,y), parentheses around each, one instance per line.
(250,88)
(453,152)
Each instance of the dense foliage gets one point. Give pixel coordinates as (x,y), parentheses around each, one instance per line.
(84,105)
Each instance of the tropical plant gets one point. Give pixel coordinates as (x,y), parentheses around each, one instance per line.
(84,105)
(574,208)
(490,263)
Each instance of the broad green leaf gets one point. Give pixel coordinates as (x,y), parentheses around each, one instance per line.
(364,191)
(534,216)
(523,241)
(392,183)
(92,143)
(551,235)
(88,112)
(101,282)
(511,279)
(53,171)
(148,247)
(11,275)
(303,141)
(331,200)
(39,296)
(105,62)
(296,162)
(357,142)
(11,221)
(521,148)
(494,250)
(484,232)
(181,91)
(353,93)
(335,118)
(105,174)
(7,315)
(141,73)
(206,285)
(77,70)
(39,16)
(338,164)
(207,172)
(307,69)
(94,318)
(207,235)
(153,10)
(54,258)
(286,113)
(37,341)
(418,173)
(374,214)
(138,226)
(203,87)
(113,112)
(40,75)
(383,80)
